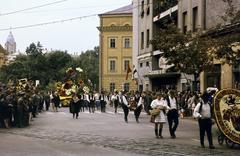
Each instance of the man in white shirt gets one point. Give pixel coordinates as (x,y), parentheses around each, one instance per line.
(172,114)
(123,101)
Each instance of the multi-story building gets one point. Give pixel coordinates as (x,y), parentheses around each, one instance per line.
(202,15)
(153,71)
(116,50)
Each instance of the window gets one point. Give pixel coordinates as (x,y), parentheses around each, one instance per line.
(147,64)
(142,11)
(112,87)
(112,65)
(126,87)
(148,8)
(112,43)
(127,43)
(142,4)
(141,64)
(142,40)
(126,64)
(185,22)
(195,19)
(148,39)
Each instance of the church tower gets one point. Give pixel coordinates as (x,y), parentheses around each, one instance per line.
(10,45)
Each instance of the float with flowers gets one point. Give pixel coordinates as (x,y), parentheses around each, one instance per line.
(73,84)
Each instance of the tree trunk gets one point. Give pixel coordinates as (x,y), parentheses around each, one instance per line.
(195,82)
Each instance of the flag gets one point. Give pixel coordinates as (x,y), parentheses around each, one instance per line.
(128,71)
(135,75)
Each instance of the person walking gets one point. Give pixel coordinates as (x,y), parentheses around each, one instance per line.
(115,100)
(124,103)
(91,103)
(139,107)
(203,112)
(160,119)
(56,101)
(75,106)
(103,100)
(172,114)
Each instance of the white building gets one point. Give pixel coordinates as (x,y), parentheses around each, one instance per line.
(10,47)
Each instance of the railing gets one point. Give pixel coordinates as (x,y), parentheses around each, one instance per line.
(164,5)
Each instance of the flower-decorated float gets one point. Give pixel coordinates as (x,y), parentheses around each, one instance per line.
(73,84)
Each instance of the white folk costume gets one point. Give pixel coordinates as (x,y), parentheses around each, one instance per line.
(162,104)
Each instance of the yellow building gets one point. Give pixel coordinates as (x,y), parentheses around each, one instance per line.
(116,50)
(2,55)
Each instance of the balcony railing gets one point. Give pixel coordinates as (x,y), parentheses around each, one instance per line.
(164,5)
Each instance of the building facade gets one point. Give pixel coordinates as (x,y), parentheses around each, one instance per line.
(115,55)
(153,72)
(199,15)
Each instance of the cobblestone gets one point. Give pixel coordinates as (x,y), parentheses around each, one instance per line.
(146,146)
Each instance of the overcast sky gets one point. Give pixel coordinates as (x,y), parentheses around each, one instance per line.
(73,36)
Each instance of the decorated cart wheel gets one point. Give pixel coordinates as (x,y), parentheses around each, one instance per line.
(229,143)
(227,114)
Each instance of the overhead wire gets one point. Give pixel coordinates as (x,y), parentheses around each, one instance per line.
(60,21)
(31,8)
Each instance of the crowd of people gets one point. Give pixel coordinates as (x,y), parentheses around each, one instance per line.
(19,107)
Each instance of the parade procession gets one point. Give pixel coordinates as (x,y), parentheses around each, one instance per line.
(122,78)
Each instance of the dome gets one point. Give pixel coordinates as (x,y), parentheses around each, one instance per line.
(10,38)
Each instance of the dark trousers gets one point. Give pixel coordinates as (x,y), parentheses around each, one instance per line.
(126,111)
(205,125)
(115,106)
(137,112)
(47,104)
(103,106)
(173,121)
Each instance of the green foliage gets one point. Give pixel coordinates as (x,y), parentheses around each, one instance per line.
(50,67)
(190,54)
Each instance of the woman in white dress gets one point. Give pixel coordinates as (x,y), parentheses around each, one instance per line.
(160,119)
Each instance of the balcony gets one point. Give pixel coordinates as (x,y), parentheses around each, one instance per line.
(163,9)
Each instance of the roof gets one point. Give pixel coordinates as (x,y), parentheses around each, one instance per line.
(123,10)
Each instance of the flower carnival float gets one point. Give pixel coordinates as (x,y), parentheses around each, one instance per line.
(73,84)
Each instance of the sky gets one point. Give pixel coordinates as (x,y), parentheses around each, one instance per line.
(74,36)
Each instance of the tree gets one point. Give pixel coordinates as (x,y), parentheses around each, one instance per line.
(227,47)
(34,49)
(189,53)
(89,62)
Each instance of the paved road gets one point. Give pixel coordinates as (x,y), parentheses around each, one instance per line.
(56,133)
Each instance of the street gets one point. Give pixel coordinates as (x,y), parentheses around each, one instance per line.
(56,133)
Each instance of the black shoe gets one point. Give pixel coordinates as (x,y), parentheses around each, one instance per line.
(202,146)
(211,147)
(173,136)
